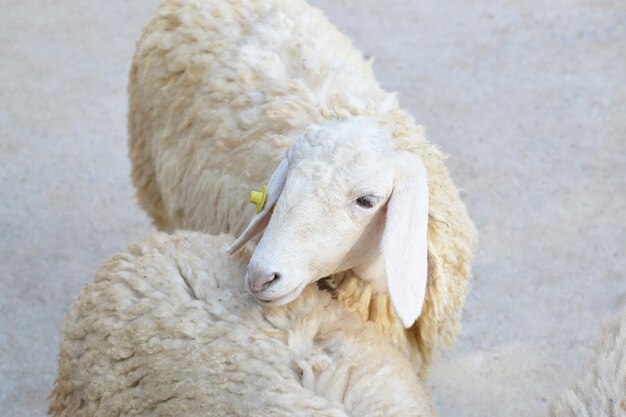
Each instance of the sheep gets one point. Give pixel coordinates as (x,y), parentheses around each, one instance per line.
(226,95)
(601,389)
(168,329)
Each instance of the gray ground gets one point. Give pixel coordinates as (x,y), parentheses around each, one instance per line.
(529,98)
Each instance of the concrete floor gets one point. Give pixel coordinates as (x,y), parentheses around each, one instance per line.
(529,98)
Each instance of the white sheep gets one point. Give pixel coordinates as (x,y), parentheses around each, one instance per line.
(168,329)
(224,93)
(601,389)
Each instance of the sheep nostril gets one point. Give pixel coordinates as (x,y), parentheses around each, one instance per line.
(274,277)
(262,283)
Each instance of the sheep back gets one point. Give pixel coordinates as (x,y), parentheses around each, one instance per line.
(167,329)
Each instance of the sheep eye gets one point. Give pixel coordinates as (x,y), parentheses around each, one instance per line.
(366,201)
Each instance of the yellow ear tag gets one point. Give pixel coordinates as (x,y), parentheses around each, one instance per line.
(258,198)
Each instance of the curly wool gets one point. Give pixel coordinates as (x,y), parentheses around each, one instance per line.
(601,389)
(218,92)
(167,329)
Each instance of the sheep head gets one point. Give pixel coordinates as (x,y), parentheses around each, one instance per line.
(343,198)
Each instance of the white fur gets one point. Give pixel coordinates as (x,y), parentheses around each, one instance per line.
(168,329)
(601,389)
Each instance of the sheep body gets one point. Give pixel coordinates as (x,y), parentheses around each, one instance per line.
(223,89)
(167,329)
(220,90)
(601,389)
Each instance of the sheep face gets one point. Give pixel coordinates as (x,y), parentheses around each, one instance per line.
(332,199)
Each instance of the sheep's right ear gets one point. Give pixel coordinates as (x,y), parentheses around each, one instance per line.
(405,244)
(258,223)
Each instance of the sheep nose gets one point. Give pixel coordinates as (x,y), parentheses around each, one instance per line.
(261,282)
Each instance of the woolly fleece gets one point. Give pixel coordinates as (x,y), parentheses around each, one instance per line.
(167,329)
(601,389)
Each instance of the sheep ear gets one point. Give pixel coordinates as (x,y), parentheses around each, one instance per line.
(405,244)
(258,223)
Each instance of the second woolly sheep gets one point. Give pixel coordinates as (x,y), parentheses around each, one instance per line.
(168,329)
(600,391)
